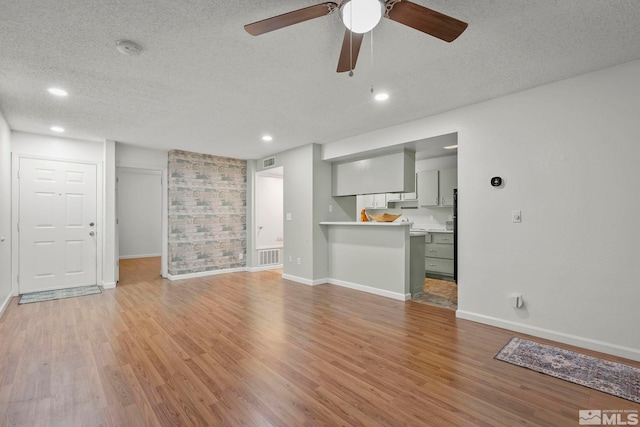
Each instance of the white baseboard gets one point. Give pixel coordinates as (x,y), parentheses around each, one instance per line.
(108,285)
(601,346)
(264,268)
(5,304)
(371,290)
(304,281)
(173,277)
(139,256)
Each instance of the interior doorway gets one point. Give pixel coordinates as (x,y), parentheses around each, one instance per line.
(139,201)
(269,214)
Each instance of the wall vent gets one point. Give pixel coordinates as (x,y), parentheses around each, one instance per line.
(269,257)
(270,162)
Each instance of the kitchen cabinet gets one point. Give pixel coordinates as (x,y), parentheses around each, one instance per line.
(435,187)
(388,173)
(439,254)
(372,201)
(428,188)
(404,197)
(447,181)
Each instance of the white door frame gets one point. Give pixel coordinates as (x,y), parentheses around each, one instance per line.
(164,257)
(15,213)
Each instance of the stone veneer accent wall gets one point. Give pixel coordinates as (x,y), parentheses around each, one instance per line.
(207,212)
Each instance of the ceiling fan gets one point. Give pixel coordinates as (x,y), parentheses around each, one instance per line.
(361,16)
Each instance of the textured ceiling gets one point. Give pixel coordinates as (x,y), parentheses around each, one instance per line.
(203,84)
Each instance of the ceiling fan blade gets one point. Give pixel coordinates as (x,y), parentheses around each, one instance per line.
(349,51)
(426,20)
(291,18)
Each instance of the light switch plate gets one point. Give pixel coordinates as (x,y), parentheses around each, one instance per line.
(516,216)
(288,217)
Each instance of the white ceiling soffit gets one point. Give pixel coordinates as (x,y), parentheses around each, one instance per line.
(201,83)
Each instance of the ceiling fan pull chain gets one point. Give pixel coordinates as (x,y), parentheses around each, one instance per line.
(351,43)
(372,74)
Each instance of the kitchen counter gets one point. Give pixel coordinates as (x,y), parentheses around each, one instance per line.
(383,258)
(370,223)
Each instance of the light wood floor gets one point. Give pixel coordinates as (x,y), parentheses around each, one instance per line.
(253,349)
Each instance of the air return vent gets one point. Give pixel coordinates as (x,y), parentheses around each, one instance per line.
(269,257)
(270,162)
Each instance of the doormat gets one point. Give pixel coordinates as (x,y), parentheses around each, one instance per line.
(609,377)
(59,294)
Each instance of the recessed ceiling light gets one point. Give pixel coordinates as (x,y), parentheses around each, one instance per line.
(381,96)
(57,129)
(57,91)
(450,147)
(267,138)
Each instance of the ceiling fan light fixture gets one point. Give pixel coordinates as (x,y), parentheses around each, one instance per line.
(361,16)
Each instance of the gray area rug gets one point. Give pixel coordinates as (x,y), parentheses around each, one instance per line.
(609,377)
(59,294)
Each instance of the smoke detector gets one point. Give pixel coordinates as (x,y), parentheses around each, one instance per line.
(128,47)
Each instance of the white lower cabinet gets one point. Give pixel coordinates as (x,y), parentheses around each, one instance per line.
(439,254)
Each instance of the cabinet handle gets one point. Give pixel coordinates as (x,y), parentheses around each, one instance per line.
(432,265)
(445,240)
(431,250)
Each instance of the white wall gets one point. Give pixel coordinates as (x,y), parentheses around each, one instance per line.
(5,213)
(568,153)
(139,212)
(307,196)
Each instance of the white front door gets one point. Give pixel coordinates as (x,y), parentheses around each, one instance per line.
(57,224)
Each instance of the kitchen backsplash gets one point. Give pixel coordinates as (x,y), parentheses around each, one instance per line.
(421,217)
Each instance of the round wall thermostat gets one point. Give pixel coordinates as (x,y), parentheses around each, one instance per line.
(496,181)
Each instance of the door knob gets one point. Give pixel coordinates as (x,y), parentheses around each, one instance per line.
(91,233)
(91,224)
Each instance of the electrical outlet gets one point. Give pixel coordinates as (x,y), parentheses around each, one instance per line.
(241,255)
(330,208)
(290,258)
(288,216)
(298,261)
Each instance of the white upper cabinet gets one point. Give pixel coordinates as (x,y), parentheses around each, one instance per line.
(372,201)
(404,197)
(389,173)
(435,187)
(448,180)
(428,188)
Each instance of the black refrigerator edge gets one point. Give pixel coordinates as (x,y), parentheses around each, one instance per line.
(455,235)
